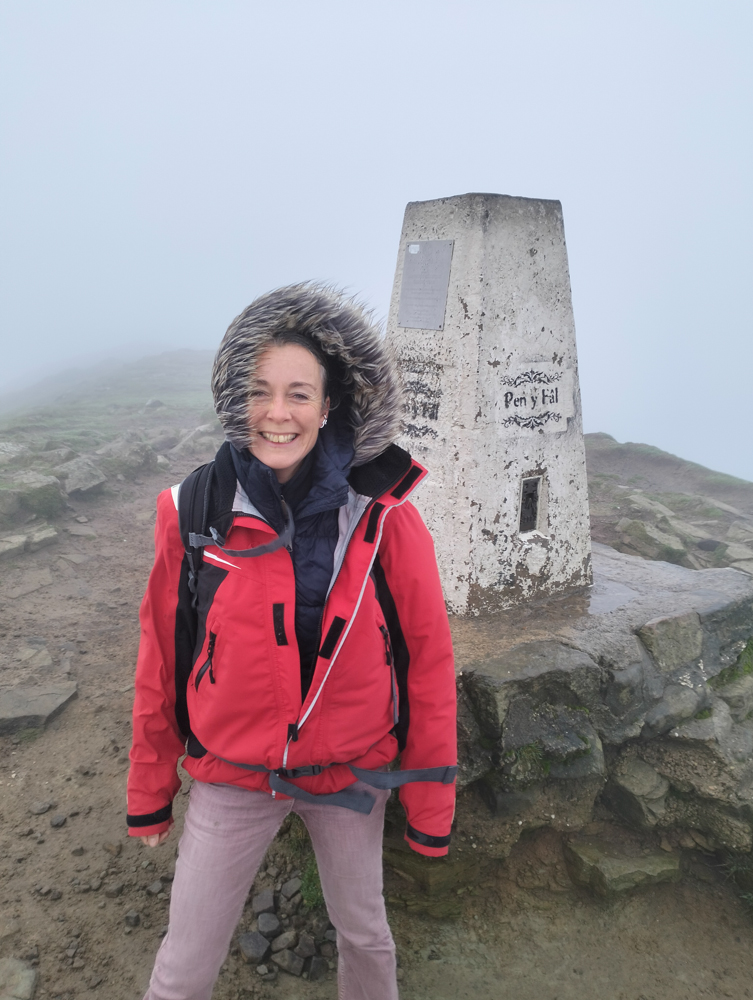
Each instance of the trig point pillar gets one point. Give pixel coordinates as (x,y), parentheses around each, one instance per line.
(482,321)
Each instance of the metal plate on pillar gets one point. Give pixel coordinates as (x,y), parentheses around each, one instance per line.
(426,278)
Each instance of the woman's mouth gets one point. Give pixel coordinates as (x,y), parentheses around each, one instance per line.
(277,438)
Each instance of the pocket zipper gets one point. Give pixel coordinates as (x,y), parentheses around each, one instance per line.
(390,659)
(208,665)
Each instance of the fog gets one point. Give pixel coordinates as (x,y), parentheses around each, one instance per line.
(165,162)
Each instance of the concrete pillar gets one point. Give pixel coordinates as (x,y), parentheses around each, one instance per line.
(482,321)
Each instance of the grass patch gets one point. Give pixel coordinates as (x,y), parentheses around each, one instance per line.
(311,886)
(705,713)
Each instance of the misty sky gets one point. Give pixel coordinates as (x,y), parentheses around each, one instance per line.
(165,162)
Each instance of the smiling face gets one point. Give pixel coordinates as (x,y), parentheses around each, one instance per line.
(287,408)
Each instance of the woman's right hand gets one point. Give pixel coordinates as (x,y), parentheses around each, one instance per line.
(155,839)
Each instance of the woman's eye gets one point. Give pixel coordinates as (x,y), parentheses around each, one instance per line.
(300,397)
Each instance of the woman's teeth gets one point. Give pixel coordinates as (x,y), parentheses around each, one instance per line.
(278,438)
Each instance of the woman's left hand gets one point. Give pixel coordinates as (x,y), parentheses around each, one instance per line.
(155,839)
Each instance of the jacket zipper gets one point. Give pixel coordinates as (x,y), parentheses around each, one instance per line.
(208,664)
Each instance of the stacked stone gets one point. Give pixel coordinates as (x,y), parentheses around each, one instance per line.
(283,937)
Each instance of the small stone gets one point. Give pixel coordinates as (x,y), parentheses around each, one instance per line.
(273,871)
(289,962)
(254,947)
(39,808)
(114,890)
(665,845)
(56,894)
(317,968)
(78,963)
(291,887)
(319,927)
(113,848)
(269,925)
(155,888)
(94,982)
(8,927)
(263,902)
(331,935)
(287,940)
(77,852)
(133,918)
(96,884)
(305,947)
(262,970)
(58,820)
(328,949)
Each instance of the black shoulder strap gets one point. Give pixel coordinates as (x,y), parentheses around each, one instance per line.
(193,517)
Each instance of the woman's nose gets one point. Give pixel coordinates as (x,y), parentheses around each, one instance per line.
(278,409)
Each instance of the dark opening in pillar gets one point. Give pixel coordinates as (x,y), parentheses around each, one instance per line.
(529,504)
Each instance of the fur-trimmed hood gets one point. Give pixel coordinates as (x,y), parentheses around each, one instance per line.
(363,380)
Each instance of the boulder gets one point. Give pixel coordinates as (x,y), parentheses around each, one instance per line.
(12,545)
(206,437)
(127,456)
(637,792)
(10,451)
(650,542)
(9,501)
(81,477)
(41,535)
(598,866)
(38,494)
(31,707)
(673,640)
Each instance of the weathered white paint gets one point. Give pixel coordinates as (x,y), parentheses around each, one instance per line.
(479,392)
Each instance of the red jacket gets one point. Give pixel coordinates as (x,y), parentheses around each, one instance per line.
(385,611)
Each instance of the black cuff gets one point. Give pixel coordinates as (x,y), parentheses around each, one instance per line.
(425,840)
(151,819)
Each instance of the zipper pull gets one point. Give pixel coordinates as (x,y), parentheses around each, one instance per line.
(387,644)
(210,654)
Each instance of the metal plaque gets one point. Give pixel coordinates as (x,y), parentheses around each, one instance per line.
(426,278)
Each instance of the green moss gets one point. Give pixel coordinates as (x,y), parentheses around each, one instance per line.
(705,713)
(311,886)
(742,666)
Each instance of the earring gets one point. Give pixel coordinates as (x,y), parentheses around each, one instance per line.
(323,423)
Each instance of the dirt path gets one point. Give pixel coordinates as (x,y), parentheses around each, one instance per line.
(524,932)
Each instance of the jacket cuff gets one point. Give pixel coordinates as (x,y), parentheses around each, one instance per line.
(141,825)
(424,843)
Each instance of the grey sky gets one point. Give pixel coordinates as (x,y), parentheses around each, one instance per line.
(165,162)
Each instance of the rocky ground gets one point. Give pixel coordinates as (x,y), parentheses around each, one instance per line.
(83,907)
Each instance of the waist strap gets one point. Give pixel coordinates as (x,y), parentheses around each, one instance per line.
(348,798)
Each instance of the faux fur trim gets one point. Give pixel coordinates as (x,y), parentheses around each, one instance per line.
(363,374)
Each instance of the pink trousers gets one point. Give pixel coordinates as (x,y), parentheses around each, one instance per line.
(226,834)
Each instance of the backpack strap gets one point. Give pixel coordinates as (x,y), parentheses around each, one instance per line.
(193,518)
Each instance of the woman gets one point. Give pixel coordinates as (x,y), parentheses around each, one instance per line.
(294,642)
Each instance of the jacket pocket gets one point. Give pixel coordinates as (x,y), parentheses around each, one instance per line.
(207,665)
(390,660)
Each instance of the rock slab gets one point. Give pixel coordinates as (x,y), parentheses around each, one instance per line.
(17,981)
(596,865)
(27,707)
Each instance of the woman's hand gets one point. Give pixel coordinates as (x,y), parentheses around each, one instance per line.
(155,839)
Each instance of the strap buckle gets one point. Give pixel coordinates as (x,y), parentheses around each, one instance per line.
(299,772)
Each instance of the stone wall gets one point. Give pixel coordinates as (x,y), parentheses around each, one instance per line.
(640,693)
